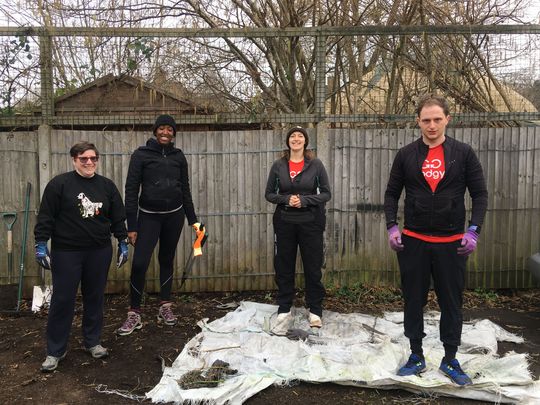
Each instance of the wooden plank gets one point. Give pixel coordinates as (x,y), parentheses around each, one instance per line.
(225,165)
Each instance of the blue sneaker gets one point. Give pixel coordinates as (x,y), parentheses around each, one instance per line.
(453,370)
(414,366)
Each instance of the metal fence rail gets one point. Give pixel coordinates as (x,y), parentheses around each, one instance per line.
(325,38)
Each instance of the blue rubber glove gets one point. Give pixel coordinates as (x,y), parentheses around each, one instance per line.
(468,242)
(43,257)
(122,253)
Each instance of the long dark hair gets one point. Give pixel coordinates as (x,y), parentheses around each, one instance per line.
(308,154)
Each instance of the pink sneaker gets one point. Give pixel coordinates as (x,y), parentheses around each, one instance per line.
(166,315)
(132,322)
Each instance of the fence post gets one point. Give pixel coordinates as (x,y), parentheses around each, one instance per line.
(324,144)
(44,155)
(47,89)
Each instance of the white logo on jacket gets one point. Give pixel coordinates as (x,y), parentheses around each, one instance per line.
(88,208)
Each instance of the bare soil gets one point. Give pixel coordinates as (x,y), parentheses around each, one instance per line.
(135,363)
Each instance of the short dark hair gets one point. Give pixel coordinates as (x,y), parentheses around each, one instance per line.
(80,147)
(432,99)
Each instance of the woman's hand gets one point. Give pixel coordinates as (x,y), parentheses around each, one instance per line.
(294,201)
(132,237)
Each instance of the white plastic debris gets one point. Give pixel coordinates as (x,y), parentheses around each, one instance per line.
(351,349)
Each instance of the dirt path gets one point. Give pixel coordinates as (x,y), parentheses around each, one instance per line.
(134,366)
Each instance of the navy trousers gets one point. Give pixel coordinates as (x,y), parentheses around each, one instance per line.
(90,269)
(420,261)
(153,227)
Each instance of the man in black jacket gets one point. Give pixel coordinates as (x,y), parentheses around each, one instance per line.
(435,171)
(158,199)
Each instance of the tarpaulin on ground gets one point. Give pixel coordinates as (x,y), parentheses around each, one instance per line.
(352,349)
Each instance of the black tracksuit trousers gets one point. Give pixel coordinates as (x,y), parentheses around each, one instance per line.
(89,268)
(151,227)
(309,237)
(417,262)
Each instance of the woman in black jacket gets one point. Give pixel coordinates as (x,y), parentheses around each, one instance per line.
(298,185)
(158,199)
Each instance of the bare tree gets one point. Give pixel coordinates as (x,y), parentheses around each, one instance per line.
(365,74)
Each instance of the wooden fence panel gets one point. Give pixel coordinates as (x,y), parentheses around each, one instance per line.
(228,173)
(18,166)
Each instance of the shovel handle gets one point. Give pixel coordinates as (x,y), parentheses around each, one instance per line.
(10,241)
(9,219)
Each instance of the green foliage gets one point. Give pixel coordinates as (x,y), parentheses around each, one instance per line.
(487,295)
(185,298)
(358,292)
(6,97)
(142,49)
(21,44)
(6,112)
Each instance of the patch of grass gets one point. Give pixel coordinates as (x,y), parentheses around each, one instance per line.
(358,293)
(185,298)
(486,295)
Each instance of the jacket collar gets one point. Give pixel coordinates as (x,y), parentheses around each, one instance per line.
(153,144)
(449,156)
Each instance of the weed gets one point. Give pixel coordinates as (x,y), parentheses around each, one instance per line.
(486,295)
(185,298)
(359,292)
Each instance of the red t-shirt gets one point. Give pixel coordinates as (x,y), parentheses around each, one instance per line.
(433,167)
(295,168)
(433,171)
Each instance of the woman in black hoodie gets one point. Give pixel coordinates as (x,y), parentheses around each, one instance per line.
(158,199)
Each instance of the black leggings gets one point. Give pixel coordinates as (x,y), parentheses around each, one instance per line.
(153,227)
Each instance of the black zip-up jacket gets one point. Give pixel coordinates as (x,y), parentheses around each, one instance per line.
(311,184)
(80,213)
(160,173)
(439,213)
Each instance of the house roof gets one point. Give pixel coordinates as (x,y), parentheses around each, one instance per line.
(124,94)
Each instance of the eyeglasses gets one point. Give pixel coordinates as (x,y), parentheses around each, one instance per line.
(84,159)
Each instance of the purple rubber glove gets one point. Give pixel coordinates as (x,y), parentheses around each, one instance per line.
(468,243)
(394,239)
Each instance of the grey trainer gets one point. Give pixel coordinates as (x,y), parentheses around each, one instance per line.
(51,363)
(97,352)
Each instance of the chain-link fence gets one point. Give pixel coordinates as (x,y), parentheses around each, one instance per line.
(343,76)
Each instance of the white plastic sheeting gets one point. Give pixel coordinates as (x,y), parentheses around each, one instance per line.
(351,349)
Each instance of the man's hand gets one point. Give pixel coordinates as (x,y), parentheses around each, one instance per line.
(468,243)
(394,239)
(43,257)
(122,253)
